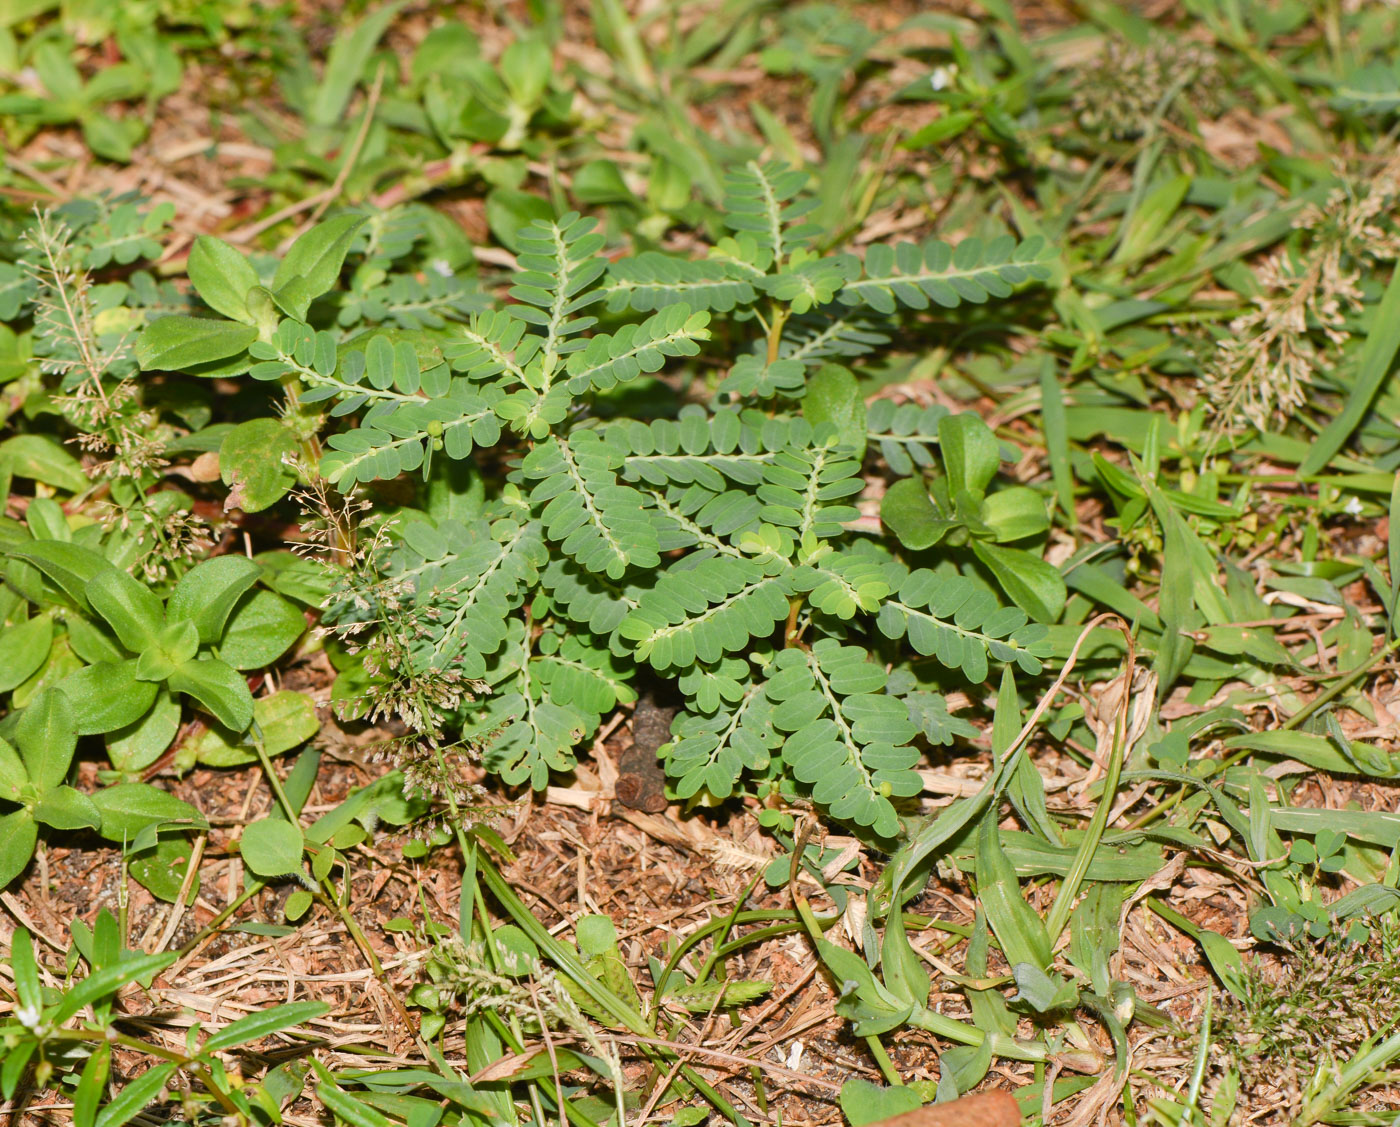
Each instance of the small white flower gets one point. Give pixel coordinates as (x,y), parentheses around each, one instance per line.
(28,1016)
(440,267)
(942,77)
(1353,506)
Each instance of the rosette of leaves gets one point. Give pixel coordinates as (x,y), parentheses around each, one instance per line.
(126,658)
(36,753)
(61,96)
(959,509)
(718,547)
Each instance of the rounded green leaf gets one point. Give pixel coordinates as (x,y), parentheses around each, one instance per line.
(1015,513)
(220,689)
(222,276)
(285,719)
(130,608)
(272,847)
(209,591)
(312,265)
(107,696)
(833,396)
(161,868)
(93,641)
(39,458)
(971,453)
(18,833)
(128,808)
(71,567)
(47,733)
(908,512)
(261,629)
(64,808)
(178,342)
(252,463)
(140,743)
(13,775)
(23,648)
(1034,585)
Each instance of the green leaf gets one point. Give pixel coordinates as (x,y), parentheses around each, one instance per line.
(131,609)
(25,968)
(1056,427)
(1392,554)
(92,641)
(345,63)
(913,275)
(107,696)
(208,592)
(261,629)
(863,1102)
(13,775)
(1034,585)
(161,868)
(907,510)
(272,847)
(970,451)
(346,1107)
(256,1026)
(312,266)
(70,566)
(220,688)
(140,743)
(508,212)
(56,70)
(135,1098)
(18,833)
(23,649)
(128,808)
(112,137)
(108,980)
(64,808)
(862,1000)
(600,181)
(92,1086)
(222,277)
(173,344)
(833,396)
(252,461)
(38,457)
(1015,513)
(47,734)
(1043,991)
(284,719)
(1018,929)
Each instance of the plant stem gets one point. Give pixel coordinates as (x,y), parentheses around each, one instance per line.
(775,333)
(1347,681)
(191,1065)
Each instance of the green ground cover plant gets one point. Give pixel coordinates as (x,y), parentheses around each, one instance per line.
(991,465)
